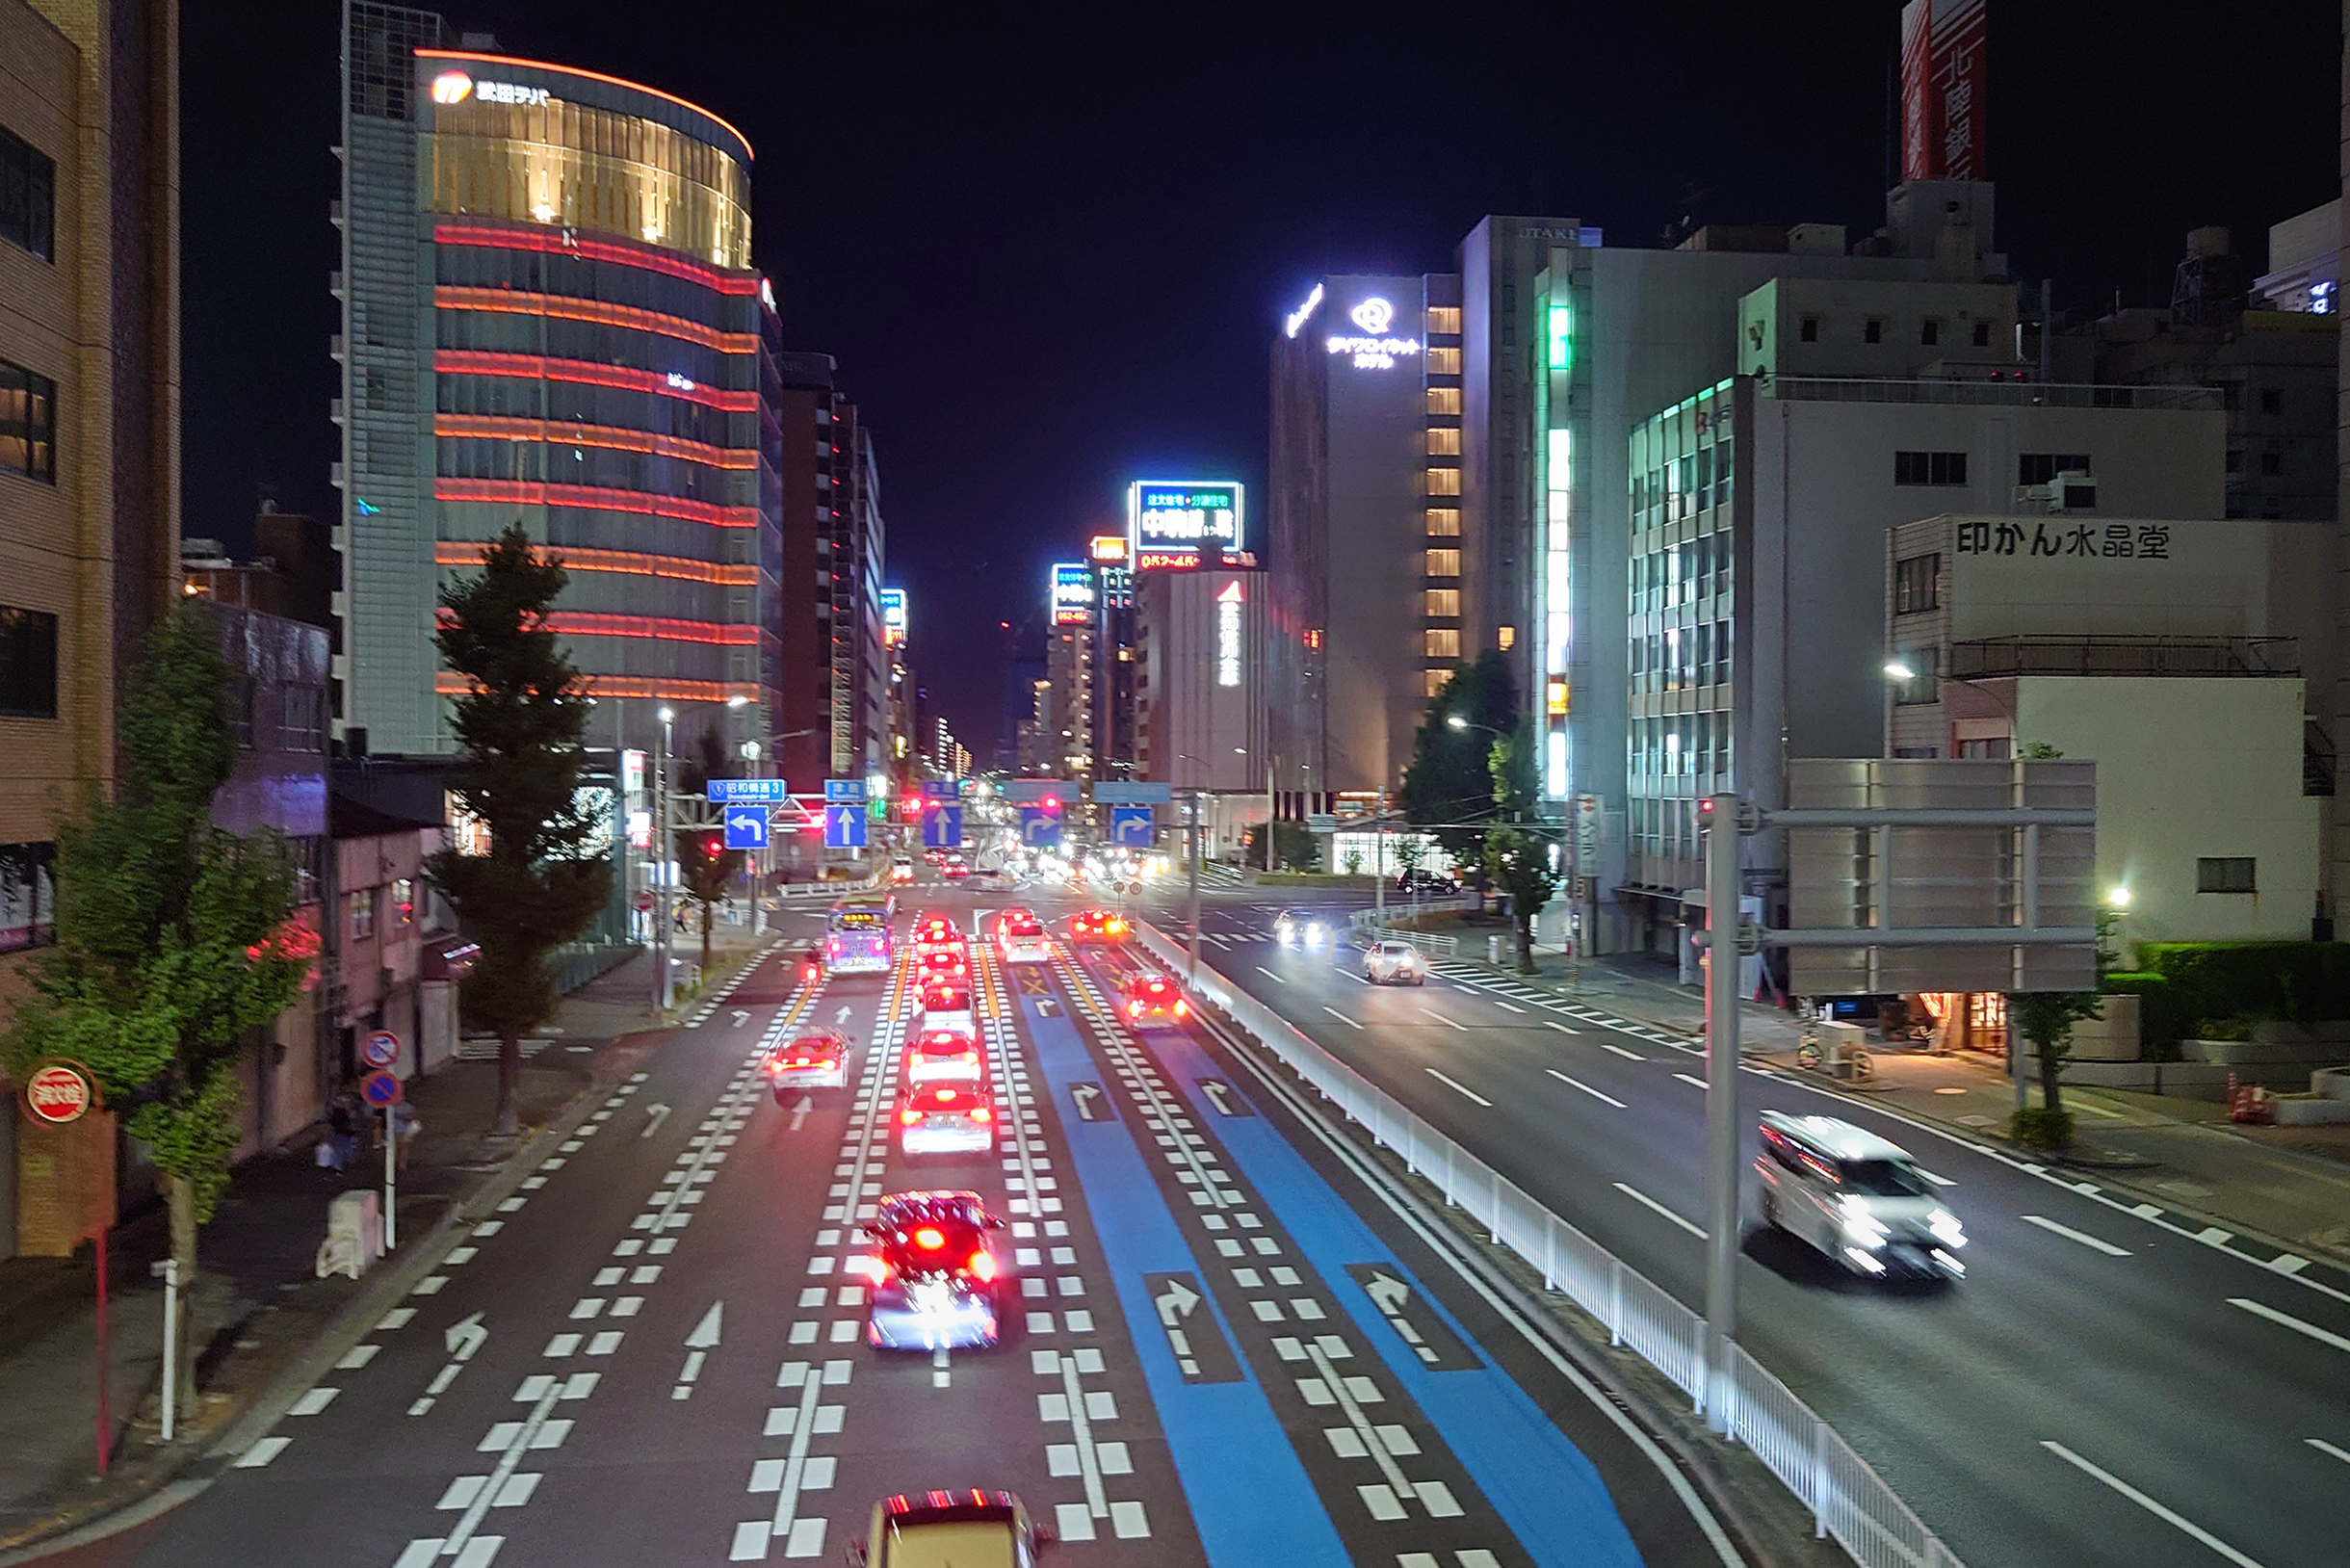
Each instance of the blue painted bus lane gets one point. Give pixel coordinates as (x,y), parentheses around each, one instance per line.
(1247,1491)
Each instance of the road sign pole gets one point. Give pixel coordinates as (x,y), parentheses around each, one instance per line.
(1192,860)
(167,1270)
(391,1181)
(1722,965)
(106,1424)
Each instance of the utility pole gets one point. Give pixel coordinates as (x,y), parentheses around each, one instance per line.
(663,846)
(1722,965)
(1193,861)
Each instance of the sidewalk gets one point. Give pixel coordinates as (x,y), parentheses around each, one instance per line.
(2290,1185)
(258,1306)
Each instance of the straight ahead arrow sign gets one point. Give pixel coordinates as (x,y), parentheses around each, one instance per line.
(705,1333)
(800,1111)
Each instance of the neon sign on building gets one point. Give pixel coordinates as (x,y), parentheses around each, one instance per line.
(1228,636)
(1378,348)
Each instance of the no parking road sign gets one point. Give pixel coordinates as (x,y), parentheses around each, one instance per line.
(381,1090)
(381,1048)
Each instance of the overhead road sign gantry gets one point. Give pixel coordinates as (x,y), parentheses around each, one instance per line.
(1131,828)
(727,792)
(1112,794)
(844,825)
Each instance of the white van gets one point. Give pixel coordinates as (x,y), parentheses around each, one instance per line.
(1861,1200)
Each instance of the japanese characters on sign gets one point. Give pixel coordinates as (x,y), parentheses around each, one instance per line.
(2062,539)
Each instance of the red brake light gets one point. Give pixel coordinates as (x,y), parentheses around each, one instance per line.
(930,1239)
(982,1265)
(981,1114)
(909,1115)
(1133,1010)
(945,1096)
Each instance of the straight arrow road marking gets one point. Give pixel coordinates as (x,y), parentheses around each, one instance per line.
(1645,1201)
(2096,1243)
(800,1111)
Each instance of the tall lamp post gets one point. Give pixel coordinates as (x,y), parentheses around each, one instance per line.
(662,846)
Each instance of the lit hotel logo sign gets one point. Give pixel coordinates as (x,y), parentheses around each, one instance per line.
(1182,515)
(1228,636)
(893,616)
(1377,349)
(455,86)
(1072,594)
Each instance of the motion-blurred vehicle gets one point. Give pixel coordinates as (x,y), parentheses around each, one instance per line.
(902,871)
(1099,925)
(1023,939)
(934,856)
(933,931)
(1302,928)
(936,1056)
(955,868)
(945,1003)
(937,1280)
(805,963)
(816,1061)
(1428,884)
(1151,1001)
(944,1118)
(1858,1198)
(948,1530)
(1395,963)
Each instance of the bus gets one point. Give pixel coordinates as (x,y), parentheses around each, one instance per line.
(857,938)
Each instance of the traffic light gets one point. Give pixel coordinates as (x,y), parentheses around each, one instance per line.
(713,844)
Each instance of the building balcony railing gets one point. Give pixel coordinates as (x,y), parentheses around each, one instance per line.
(1993,394)
(1991,658)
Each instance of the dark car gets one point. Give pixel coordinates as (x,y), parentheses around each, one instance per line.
(938,1279)
(1427,884)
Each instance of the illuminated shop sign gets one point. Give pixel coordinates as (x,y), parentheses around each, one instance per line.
(1228,636)
(455,86)
(1182,515)
(893,616)
(1378,348)
(1072,592)
(1107,547)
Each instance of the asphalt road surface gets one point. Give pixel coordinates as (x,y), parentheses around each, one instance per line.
(1219,1350)
(2111,1384)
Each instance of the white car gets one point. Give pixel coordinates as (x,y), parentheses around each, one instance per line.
(1401,963)
(1024,940)
(1861,1200)
(1302,928)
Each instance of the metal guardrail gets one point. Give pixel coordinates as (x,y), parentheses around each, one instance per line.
(1848,1501)
(1365,922)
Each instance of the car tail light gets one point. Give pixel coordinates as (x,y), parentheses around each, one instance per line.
(981,1114)
(946,1096)
(1181,1008)
(982,1265)
(909,1115)
(930,1239)
(1133,1010)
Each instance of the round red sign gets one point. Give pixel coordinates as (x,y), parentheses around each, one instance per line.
(57,1093)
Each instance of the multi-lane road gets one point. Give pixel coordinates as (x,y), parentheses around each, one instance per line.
(2112,1383)
(1217,1350)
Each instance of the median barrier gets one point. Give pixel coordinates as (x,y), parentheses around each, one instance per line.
(1849,1503)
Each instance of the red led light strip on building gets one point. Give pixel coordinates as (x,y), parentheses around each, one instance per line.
(498,428)
(448,682)
(594,623)
(586,373)
(618,252)
(457,553)
(534,493)
(561,308)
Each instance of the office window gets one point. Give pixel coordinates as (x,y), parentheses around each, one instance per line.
(1444,442)
(1444,361)
(1443,522)
(1444,400)
(28,663)
(1445,319)
(1930,332)
(2272,401)
(1441,603)
(1441,642)
(1922,665)
(1917,584)
(361,912)
(1432,681)
(1505,637)
(1809,329)
(2225,874)
(1443,482)
(1443,563)
(28,196)
(1929,468)
(1982,334)
(403,902)
(2040,467)
(28,423)
(1873,330)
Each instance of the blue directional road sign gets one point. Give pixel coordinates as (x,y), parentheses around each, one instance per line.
(942,827)
(1110,793)
(745,827)
(727,792)
(844,826)
(1040,827)
(942,789)
(843,791)
(1131,828)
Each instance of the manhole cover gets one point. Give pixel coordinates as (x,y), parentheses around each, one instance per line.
(1949,1089)
(1977,1121)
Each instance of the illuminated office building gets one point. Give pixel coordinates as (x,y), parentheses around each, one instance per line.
(550,315)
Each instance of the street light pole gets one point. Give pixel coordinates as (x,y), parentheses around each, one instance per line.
(1192,860)
(1722,965)
(662,847)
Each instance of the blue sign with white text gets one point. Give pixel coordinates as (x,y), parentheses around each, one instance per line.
(747,828)
(1112,793)
(942,827)
(1131,828)
(942,789)
(725,791)
(1041,827)
(844,791)
(844,826)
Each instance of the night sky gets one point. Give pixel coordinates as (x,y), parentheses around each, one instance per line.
(1049,252)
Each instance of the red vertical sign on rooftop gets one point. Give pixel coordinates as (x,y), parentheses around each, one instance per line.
(1943,107)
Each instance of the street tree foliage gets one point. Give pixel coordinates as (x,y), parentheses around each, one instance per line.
(174,937)
(544,876)
(705,873)
(1449,778)
(1517,854)
(2044,1020)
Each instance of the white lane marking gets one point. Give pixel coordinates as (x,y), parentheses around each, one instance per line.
(1938,1181)
(1687,1079)
(2177,1521)
(1504,1006)
(2324,1447)
(1454,1084)
(2286,1320)
(2287,1263)
(1627,1056)
(312,1402)
(1270,975)
(2095,1242)
(1442,1019)
(1585,1087)
(270,1447)
(1342,1018)
(1645,1201)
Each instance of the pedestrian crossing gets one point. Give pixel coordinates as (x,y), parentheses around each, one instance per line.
(1502,985)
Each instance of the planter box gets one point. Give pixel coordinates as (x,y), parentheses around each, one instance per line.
(2311,1111)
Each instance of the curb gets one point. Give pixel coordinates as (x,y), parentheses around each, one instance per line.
(192,1470)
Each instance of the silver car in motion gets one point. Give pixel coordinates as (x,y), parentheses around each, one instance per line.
(1395,963)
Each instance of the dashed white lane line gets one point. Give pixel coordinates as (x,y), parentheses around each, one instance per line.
(2177,1521)
(1551,1023)
(270,1447)
(1646,1202)
(1270,975)
(2096,1244)
(1430,1013)
(1686,1077)
(1342,1017)
(1505,1006)
(1627,1056)
(312,1402)
(1458,1087)
(1585,1087)
(2286,1320)
(2317,1443)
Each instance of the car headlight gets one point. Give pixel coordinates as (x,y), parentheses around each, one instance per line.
(1945,1228)
(1862,1226)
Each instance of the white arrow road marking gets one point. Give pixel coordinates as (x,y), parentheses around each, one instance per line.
(1084,1095)
(800,1111)
(842,1016)
(705,1333)
(1215,1093)
(466,1336)
(1177,1303)
(1389,1294)
(742,1016)
(654,1115)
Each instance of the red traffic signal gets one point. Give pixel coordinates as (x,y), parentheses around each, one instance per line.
(713,844)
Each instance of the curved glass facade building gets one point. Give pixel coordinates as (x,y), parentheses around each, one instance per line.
(550,316)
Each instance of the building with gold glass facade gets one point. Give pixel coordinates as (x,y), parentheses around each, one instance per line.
(549,314)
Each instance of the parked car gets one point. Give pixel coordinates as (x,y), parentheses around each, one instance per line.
(1861,1200)
(1428,884)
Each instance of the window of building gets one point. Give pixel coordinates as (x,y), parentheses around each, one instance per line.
(2271,462)
(1444,400)
(1441,642)
(2040,467)
(1809,329)
(361,912)
(1922,664)
(1917,584)
(28,663)
(1505,637)
(404,903)
(1441,603)
(1443,522)
(1432,681)
(28,895)
(2227,874)
(1444,361)
(1930,332)
(1873,329)
(1982,334)
(1443,482)
(1929,468)
(28,196)
(1444,563)
(1445,319)
(2272,400)
(1445,441)
(28,423)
